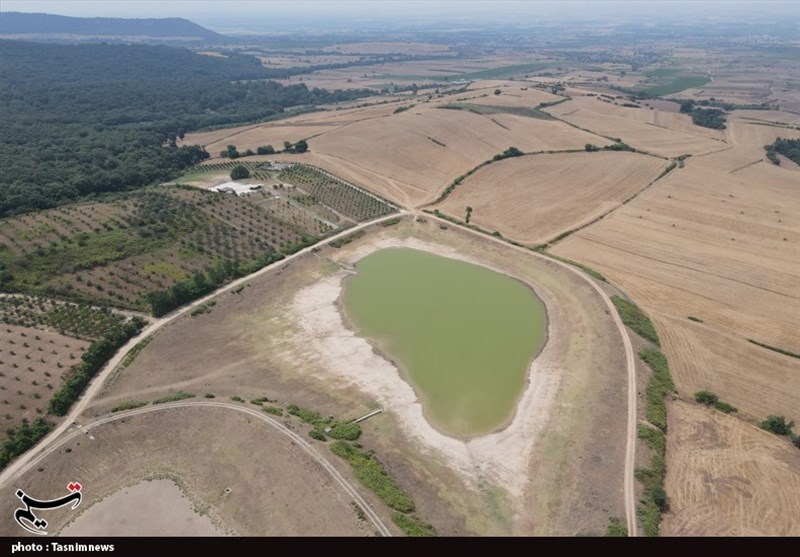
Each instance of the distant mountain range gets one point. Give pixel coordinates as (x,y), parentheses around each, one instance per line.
(24,25)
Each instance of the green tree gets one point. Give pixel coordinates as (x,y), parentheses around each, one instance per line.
(777,425)
(497,91)
(266,150)
(469,214)
(239,173)
(706,397)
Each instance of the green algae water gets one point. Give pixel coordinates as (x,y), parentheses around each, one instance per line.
(463,335)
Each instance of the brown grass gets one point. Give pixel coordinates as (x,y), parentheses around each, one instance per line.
(728,478)
(275,488)
(657,132)
(721,246)
(533,199)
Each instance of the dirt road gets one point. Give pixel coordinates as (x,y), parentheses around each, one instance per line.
(630,359)
(297,439)
(96,384)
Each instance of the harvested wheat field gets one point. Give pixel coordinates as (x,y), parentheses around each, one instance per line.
(412,156)
(722,248)
(533,199)
(728,478)
(661,133)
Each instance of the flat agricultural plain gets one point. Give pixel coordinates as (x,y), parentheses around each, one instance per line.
(283,337)
(535,198)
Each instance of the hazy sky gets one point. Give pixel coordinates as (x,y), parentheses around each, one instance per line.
(222,12)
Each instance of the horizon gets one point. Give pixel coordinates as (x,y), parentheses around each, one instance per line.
(345,14)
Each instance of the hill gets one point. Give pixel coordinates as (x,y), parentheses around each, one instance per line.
(41,25)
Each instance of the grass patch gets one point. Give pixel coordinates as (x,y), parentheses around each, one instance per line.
(658,387)
(130,405)
(373,475)
(133,352)
(673,86)
(654,501)
(390,222)
(203,308)
(274,410)
(636,319)
(334,428)
(180,395)
(347,239)
(774,349)
(616,529)
(413,526)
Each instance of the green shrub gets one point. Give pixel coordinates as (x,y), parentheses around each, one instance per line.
(796,441)
(695,319)
(130,405)
(777,425)
(237,398)
(180,395)
(274,410)
(413,526)
(372,474)
(318,435)
(346,431)
(209,395)
(725,407)
(616,529)
(706,397)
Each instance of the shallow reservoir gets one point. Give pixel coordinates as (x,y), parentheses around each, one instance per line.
(463,335)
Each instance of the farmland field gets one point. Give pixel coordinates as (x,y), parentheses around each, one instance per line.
(440,318)
(121,250)
(728,477)
(534,199)
(555,195)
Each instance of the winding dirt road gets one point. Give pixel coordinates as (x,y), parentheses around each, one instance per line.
(51,441)
(297,439)
(13,470)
